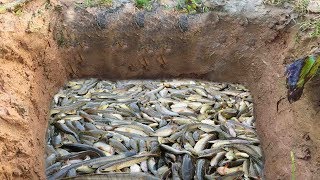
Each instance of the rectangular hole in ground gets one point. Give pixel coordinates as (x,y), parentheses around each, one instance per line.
(151,129)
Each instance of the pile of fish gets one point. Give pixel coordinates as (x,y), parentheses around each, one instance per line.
(177,129)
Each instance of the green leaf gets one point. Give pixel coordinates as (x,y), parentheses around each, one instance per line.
(308,63)
(314,69)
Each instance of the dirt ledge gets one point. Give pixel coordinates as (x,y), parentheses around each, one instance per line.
(43,48)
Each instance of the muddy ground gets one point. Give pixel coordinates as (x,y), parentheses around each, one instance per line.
(49,44)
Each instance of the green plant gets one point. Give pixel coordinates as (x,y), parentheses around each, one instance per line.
(277,2)
(312,26)
(105,2)
(143,4)
(93,3)
(301,6)
(89,3)
(192,6)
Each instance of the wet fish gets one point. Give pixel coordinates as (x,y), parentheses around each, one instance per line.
(83,147)
(166,129)
(126,162)
(200,169)
(64,128)
(201,144)
(187,168)
(90,163)
(116,176)
(173,150)
(79,155)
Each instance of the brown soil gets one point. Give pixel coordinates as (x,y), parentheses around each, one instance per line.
(41,50)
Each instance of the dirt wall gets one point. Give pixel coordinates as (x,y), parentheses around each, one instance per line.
(43,49)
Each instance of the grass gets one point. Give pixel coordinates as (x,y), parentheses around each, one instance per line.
(146,4)
(192,6)
(94,3)
(105,2)
(299,6)
(311,26)
(293,166)
(277,2)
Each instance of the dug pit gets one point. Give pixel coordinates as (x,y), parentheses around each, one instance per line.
(50,45)
(169,129)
